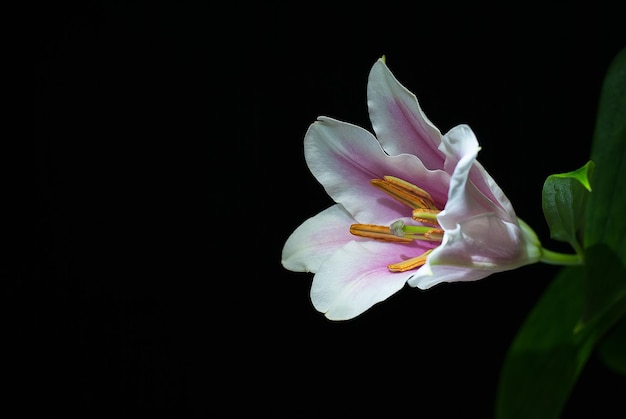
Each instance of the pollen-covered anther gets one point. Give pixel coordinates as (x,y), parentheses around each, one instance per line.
(372,231)
(426,215)
(404,192)
(435,234)
(407,265)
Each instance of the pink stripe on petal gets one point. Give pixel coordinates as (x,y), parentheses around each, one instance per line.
(345,158)
(398,120)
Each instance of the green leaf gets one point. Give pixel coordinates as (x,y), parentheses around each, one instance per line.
(605,304)
(605,282)
(564,200)
(606,207)
(556,339)
(604,314)
(612,349)
(546,356)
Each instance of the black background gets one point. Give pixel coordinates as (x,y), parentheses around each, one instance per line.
(169,172)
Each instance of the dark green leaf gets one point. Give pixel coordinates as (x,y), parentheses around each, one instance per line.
(605,304)
(554,343)
(606,213)
(546,356)
(612,349)
(606,207)
(605,282)
(582,304)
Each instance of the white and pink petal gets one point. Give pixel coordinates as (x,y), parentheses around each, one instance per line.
(316,239)
(355,278)
(344,158)
(398,120)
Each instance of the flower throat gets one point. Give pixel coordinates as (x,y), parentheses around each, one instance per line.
(423,211)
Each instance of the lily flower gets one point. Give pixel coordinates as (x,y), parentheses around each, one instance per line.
(412,206)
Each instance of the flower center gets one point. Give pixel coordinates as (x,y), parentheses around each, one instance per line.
(424,211)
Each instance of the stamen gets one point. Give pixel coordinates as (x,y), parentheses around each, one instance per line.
(408,186)
(424,211)
(377,232)
(409,264)
(436,234)
(404,192)
(426,215)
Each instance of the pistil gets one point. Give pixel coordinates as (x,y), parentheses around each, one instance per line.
(400,229)
(377,232)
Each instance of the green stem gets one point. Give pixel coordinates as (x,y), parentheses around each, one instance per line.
(556,258)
